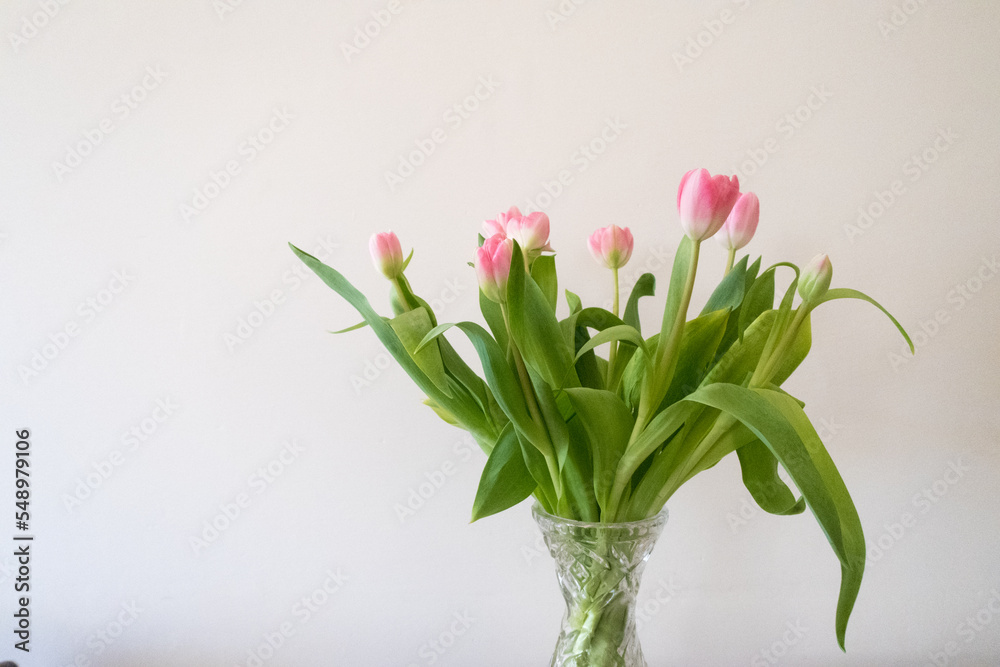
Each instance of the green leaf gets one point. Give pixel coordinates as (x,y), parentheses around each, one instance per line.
(555,419)
(586,363)
(411,327)
(699,342)
(845,293)
(675,292)
(760,476)
(543,272)
(351,328)
(506,480)
(644,286)
(573,301)
(499,376)
(608,424)
(778,421)
(729,293)
(622,332)
(494,319)
(535,329)
(759,298)
(468,415)
(406,262)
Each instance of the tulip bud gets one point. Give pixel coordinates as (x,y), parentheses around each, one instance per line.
(493,267)
(611,246)
(704,201)
(815,279)
(741,224)
(499,225)
(531,233)
(386,254)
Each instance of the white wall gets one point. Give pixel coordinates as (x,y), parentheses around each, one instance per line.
(881,98)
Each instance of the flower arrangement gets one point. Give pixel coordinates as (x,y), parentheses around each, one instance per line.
(609,439)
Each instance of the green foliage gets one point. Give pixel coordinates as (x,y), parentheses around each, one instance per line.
(598,439)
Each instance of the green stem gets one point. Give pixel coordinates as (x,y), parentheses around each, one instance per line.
(614,344)
(765,368)
(730,260)
(401,295)
(529,397)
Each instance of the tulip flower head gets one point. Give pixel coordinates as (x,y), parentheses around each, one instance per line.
(815,279)
(704,201)
(386,253)
(531,233)
(741,224)
(499,225)
(611,246)
(493,267)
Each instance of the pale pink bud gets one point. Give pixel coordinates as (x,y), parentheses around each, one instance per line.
(704,201)
(493,267)
(499,225)
(741,224)
(531,233)
(815,278)
(387,255)
(611,246)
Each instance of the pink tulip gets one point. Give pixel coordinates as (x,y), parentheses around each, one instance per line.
(531,233)
(493,267)
(499,225)
(386,254)
(611,246)
(704,201)
(815,278)
(741,224)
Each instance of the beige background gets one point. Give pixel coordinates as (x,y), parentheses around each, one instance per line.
(836,102)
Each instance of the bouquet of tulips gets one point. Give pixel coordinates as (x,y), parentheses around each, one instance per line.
(611,438)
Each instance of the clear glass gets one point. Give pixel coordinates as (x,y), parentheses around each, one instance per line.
(599,567)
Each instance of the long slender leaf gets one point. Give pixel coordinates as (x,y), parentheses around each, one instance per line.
(543,272)
(760,475)
(845,293)
(622,332)
(467,414)
(778,421)
(644,286)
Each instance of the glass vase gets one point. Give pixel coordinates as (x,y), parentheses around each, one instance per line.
(599,566)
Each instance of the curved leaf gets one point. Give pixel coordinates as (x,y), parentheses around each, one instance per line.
(622,332)
(845,293)
(644,286)
(351,328)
